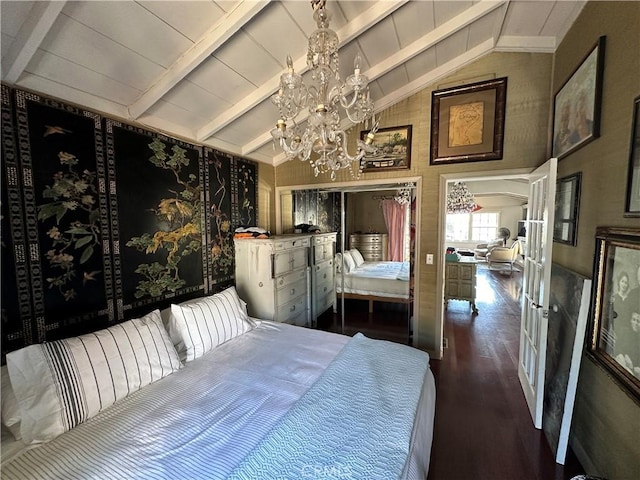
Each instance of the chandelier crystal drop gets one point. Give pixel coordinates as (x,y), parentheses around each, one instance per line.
(323,140)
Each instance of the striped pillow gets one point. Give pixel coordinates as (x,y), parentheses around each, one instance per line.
(61,384)
(207,322)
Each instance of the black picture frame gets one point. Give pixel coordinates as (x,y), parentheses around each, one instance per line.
(614,343)
(632,205)
(480,139)
(565,225)
(577,104)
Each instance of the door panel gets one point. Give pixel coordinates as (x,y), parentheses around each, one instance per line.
(537,280)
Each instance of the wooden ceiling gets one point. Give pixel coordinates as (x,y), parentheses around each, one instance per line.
(205,70)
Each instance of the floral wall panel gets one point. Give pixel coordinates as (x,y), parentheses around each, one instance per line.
(220,252)
(244,196)
(157,218)
(66,212)
(315,207)
(231,202)
(15,300)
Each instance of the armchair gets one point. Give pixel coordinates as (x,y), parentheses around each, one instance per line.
(505,255)
(482,249)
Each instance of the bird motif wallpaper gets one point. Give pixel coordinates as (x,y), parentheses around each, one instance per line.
(104,221)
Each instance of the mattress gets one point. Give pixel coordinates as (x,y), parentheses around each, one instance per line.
(381,279)
(235,395)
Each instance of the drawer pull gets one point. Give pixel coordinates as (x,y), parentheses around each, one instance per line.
(324,276)
(293,291)
(293,308)
(281,281)
(325,289)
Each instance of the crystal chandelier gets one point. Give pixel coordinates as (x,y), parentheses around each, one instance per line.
(460,199)
(323,134)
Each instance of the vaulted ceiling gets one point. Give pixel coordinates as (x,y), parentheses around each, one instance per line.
(205,70)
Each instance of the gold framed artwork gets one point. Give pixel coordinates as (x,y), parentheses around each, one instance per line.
(393,149)
(467,122)
(576,107)
(615,306)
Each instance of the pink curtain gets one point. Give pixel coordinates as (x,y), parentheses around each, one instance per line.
(394,217)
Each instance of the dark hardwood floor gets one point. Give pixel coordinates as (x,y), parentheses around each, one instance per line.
(483,430)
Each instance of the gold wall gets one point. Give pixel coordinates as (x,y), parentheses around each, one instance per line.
(526,131)
(606,422)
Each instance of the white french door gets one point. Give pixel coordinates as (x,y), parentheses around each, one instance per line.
(536,284)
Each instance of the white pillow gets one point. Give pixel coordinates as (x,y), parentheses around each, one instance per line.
(357,256)
(10,411)
(61,384)
(205,323)
(349,262)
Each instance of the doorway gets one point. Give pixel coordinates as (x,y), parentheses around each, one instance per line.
(513,183)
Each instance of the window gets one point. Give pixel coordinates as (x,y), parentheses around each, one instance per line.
(478,227)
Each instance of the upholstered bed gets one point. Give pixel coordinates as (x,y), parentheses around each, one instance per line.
(237,398)
(383,281)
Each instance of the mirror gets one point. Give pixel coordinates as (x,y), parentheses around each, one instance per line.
(374,283)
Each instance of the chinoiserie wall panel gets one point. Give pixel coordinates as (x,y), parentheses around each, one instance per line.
(157,218)
(17,327)
(66,215)
(104,221)
(231,195)
(220,254)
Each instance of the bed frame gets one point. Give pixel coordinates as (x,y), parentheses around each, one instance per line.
(373,298)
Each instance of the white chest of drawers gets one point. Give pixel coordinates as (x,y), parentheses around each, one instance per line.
(323,292)
(272,276)
(372,246)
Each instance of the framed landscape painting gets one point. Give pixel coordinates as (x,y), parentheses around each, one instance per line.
(393,149)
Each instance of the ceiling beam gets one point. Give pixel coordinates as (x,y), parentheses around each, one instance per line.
(351,30)
(199,51)
(32,32)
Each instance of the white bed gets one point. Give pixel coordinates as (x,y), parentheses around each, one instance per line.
(382,281)
(210,418)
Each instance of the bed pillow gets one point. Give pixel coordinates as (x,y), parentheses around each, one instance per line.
(10,411)
(349,262)
(357,256)
(61,384)
(207,322)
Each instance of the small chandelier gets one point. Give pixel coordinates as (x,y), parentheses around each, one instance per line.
(325,96)
(460,199)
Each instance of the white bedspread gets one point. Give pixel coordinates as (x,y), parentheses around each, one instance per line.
(382,279)
(202,421)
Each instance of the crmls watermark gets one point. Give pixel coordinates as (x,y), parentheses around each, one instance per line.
(320,471)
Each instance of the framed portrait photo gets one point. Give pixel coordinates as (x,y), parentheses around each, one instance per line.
(576,106)
(632,208)
(615,306)
(467,122)
(393,146)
